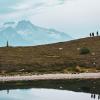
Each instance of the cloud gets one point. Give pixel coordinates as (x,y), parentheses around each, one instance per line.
(9,6)
(71,16)
(61,1)
(17,9)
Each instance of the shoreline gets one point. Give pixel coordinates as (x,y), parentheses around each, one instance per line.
(50,77)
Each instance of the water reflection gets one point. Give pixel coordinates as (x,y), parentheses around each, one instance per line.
(51,90)
(94,96)
(44,94)
(8,91)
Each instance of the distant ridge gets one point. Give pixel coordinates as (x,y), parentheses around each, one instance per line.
(24,33)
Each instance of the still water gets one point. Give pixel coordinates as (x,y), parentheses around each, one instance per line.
(51,90)
(45,94)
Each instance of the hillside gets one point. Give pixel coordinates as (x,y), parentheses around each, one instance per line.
(61,57)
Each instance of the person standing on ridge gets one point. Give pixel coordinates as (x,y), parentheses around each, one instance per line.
(93,34)
(90,34)
(97,33)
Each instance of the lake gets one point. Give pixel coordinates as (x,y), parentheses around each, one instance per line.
(51,90)
(44,94)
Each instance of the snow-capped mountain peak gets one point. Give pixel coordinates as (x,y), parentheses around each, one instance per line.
(24,33)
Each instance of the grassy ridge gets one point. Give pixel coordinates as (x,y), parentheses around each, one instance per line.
(59,57)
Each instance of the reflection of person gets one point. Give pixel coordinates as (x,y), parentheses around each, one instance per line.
(91,95)
(94,96)
(98,96)
(7,91)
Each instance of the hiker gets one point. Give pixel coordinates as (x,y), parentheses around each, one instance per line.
(90,34)
(93,34)
(97,33)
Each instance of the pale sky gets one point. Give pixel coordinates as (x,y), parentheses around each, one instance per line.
(75,17)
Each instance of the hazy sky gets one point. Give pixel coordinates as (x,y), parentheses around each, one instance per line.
(75,17)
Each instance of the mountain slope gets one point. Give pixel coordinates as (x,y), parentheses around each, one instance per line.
(59,57)
(24,33)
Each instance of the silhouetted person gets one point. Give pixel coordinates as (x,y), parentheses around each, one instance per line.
(7,44)
(97,33)
(93,34)
(90,34)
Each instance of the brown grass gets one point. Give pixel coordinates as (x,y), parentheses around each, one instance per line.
(50,58)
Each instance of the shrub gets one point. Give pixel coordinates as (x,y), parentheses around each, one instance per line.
(84,50)
(77,69)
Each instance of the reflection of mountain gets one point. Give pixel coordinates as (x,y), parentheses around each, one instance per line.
(88,86)
(25,33)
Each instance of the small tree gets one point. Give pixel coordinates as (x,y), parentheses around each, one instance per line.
(84,50)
